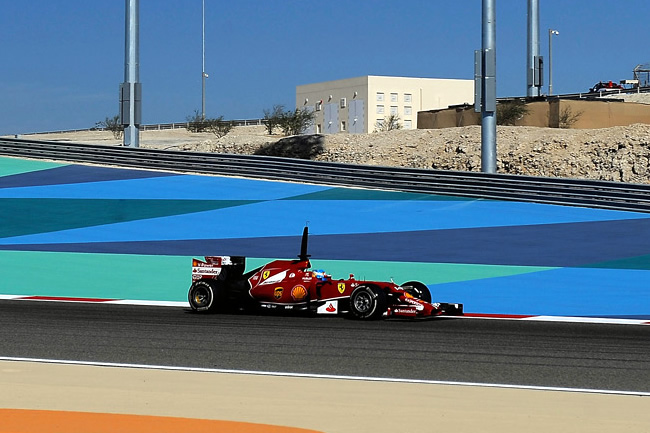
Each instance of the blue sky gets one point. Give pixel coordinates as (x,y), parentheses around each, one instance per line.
(62,61)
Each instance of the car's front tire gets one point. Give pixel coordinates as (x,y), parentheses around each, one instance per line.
(207,296)
(417,290)
(368,302)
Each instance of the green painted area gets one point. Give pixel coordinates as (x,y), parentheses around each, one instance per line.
(400,272)
(112,276)
(634,263)
(42,215)
(10,166)
(365,194)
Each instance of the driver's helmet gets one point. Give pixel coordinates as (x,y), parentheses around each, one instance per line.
(319,274)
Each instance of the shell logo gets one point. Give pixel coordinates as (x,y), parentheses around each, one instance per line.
(299,293)
(277,293)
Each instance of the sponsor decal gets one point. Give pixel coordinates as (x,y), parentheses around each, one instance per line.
(341,288)
(206,271)
(417,303)
(412,311)
(277,293)
(291,275)
(299,293)
(330,307)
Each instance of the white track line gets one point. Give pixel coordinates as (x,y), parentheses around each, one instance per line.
(322,376)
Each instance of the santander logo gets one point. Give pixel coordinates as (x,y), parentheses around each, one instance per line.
(330,308)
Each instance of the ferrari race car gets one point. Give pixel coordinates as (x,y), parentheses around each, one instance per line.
(219,284)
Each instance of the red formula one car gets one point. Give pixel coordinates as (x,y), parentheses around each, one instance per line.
(220,284)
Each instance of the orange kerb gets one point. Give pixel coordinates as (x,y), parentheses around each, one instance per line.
(45,421)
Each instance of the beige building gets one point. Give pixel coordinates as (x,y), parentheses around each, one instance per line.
(355,105)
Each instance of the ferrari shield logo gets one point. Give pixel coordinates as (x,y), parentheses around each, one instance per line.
(265,274)
(341,288)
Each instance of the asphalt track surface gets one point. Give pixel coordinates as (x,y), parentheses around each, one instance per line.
(565,355)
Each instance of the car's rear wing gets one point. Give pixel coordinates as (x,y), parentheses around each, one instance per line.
(212,266)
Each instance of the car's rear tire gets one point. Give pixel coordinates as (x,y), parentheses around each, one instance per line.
(207,296)
(417,290)
(368,302)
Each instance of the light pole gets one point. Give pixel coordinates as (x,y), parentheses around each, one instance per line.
(203,74)
(551,32)
(489,88)
(131,88)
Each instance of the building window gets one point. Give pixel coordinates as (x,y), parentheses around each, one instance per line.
(407,124)
(408,110)
(318,106)
(343,126)
(319,128)
(380,96)
(393,110)
(393,97)
(407,97)
(380,109)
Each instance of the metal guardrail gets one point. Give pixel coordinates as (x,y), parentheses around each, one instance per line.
(162,126)
(151,127)
(601,93)
(569,192)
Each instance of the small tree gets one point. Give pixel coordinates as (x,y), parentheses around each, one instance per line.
(389,123)
(568,117)
(196,122)
(509,112)
(296,122)
(112,124)
(219,127)
(273,118)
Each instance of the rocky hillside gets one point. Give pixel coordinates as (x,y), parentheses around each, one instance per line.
(617,154)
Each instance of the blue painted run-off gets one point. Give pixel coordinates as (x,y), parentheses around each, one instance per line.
(496,257)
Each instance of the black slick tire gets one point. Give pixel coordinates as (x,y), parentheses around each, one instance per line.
(417,290)
(368,302)
(207,296)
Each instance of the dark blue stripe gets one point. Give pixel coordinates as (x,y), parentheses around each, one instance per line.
(70,174)
(553,245)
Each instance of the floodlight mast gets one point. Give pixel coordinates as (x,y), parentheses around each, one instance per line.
(551,32)
(130,89)
(489,89)
(534,62)
(203,74)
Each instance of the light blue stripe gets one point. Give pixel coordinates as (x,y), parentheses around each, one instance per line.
(286,218)
(557,292)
